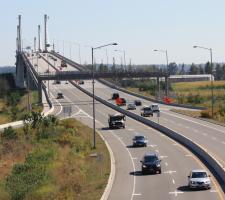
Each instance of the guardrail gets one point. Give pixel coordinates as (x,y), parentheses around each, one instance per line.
(207,159)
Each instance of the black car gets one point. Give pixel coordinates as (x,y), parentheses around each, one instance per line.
(151,163)
(115,96)
(60,95)
(140,140)
(137,102)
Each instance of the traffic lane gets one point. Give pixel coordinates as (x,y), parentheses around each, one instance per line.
(204,137)
(214,143)
(176,164)
(122,158)
(122,133)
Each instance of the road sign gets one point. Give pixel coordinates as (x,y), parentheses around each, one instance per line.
(67,109)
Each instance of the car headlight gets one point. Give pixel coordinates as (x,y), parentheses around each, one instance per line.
(158,165)
(144,166)
(192,182)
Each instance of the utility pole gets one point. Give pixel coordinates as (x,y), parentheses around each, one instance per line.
(19,34)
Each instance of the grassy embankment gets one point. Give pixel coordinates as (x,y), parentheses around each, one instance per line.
(52,160)
(13,101)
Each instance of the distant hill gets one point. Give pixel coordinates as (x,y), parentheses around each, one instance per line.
(7,69)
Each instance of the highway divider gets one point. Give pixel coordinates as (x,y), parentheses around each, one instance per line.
(109,84)
(215,168)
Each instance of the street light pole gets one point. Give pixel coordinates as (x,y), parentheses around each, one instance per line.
(167,68)
(124,57)
(93,88)
(212,87)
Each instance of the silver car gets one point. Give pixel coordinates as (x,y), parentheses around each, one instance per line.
(199,179)
(131,106)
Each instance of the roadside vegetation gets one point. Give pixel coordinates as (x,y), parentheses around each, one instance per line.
(51,159)
(14,101)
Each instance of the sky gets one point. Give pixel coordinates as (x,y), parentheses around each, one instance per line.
(138,26)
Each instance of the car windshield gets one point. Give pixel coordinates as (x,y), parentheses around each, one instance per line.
(147,109)
(150,158)
(117,118)
(139,137)
(199,175)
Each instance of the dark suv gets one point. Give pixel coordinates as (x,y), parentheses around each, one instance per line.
(151,163)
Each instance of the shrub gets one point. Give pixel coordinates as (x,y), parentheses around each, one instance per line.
(205,114)
(9,133)
(30,175)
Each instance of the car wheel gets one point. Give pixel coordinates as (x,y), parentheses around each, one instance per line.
(160,171)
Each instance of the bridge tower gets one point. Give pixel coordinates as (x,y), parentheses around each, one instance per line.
(46,45)
(19,61)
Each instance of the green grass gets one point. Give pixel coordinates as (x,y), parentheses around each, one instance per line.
(58,166)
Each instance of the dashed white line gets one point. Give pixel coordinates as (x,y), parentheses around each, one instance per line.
(157,150)
(137,194)
(152,145)
(166,163)
(163,157)
(173,181)
(213,191)
(169,172)
(176,192)
(188,155)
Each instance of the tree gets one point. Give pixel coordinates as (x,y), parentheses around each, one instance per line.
(219,72)
(193,69)
(172,68)
(208,68)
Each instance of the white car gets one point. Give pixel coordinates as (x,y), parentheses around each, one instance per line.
(199,179)
(155,107)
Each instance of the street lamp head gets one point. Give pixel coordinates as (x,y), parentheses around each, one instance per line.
(114,44)
(155,50)
(195,46)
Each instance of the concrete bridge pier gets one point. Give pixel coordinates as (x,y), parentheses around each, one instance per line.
(20,72)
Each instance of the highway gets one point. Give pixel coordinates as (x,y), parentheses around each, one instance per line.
(177,161)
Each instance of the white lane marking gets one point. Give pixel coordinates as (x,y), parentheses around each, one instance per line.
(134,158)
(166,163)
(176,192)
(130,129)
(157,150)
(175,144)
(188,155)
(137,194)
(173,181)
(152,145)
(169,172)
(163,157)
(194,122)
(213,191)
